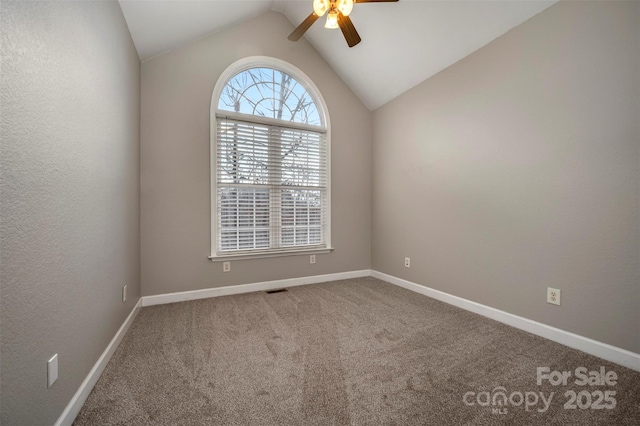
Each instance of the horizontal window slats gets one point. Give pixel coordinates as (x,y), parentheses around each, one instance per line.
(271,186)
(258,154)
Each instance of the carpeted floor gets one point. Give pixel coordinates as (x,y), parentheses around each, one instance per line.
(357,352)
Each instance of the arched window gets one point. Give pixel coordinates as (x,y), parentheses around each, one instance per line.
(269,162)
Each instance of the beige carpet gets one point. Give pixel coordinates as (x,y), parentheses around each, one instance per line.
(353,352)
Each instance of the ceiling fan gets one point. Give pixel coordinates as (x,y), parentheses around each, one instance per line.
(338,12)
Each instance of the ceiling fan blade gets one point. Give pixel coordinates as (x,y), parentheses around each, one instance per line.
(302,28)
(348,30)
(375,1)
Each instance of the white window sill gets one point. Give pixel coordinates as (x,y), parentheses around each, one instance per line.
(283,253)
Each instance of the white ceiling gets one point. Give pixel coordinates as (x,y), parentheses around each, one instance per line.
(403,43)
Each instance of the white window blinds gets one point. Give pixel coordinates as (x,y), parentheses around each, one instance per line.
(271,185)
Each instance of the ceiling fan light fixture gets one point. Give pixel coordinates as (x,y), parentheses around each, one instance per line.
(338,12)
(332,19)
(320,7)
(345,6)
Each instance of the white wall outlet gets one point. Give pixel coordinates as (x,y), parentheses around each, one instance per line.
(312,259)
(553,296)
(52,370)
(407,262)
(124,294)
(226,266)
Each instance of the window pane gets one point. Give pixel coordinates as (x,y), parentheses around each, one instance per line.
(269,93)
(301,158)
(244,218)
(245,239)
(262,209)
(287,237)
(302,212)
(302,236)
(315,214)
(243,153)
(229,239)
(262,238)
(315,235)
(301,217)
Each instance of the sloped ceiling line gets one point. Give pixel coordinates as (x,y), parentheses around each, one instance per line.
(403,43)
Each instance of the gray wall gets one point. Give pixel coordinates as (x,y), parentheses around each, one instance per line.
(176,98)
(517,168)
(70,92)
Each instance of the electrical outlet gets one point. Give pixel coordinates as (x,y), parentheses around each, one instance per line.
(124,294)
(553,296)
(312,259)
(52,370)
(226,266)
(407,262)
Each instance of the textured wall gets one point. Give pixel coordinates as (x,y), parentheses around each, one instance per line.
(176,98)
(517,168)
(70,92)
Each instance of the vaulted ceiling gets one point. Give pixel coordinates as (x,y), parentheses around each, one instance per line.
(403,43)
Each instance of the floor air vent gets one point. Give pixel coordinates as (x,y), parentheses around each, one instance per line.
(279,290)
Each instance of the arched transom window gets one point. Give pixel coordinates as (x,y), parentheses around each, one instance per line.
(270,172)
(268,92)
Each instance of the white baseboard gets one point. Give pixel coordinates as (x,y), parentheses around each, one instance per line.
(593,347)
(161,299)
(73,408)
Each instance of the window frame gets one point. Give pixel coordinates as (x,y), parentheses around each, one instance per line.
(302,79)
